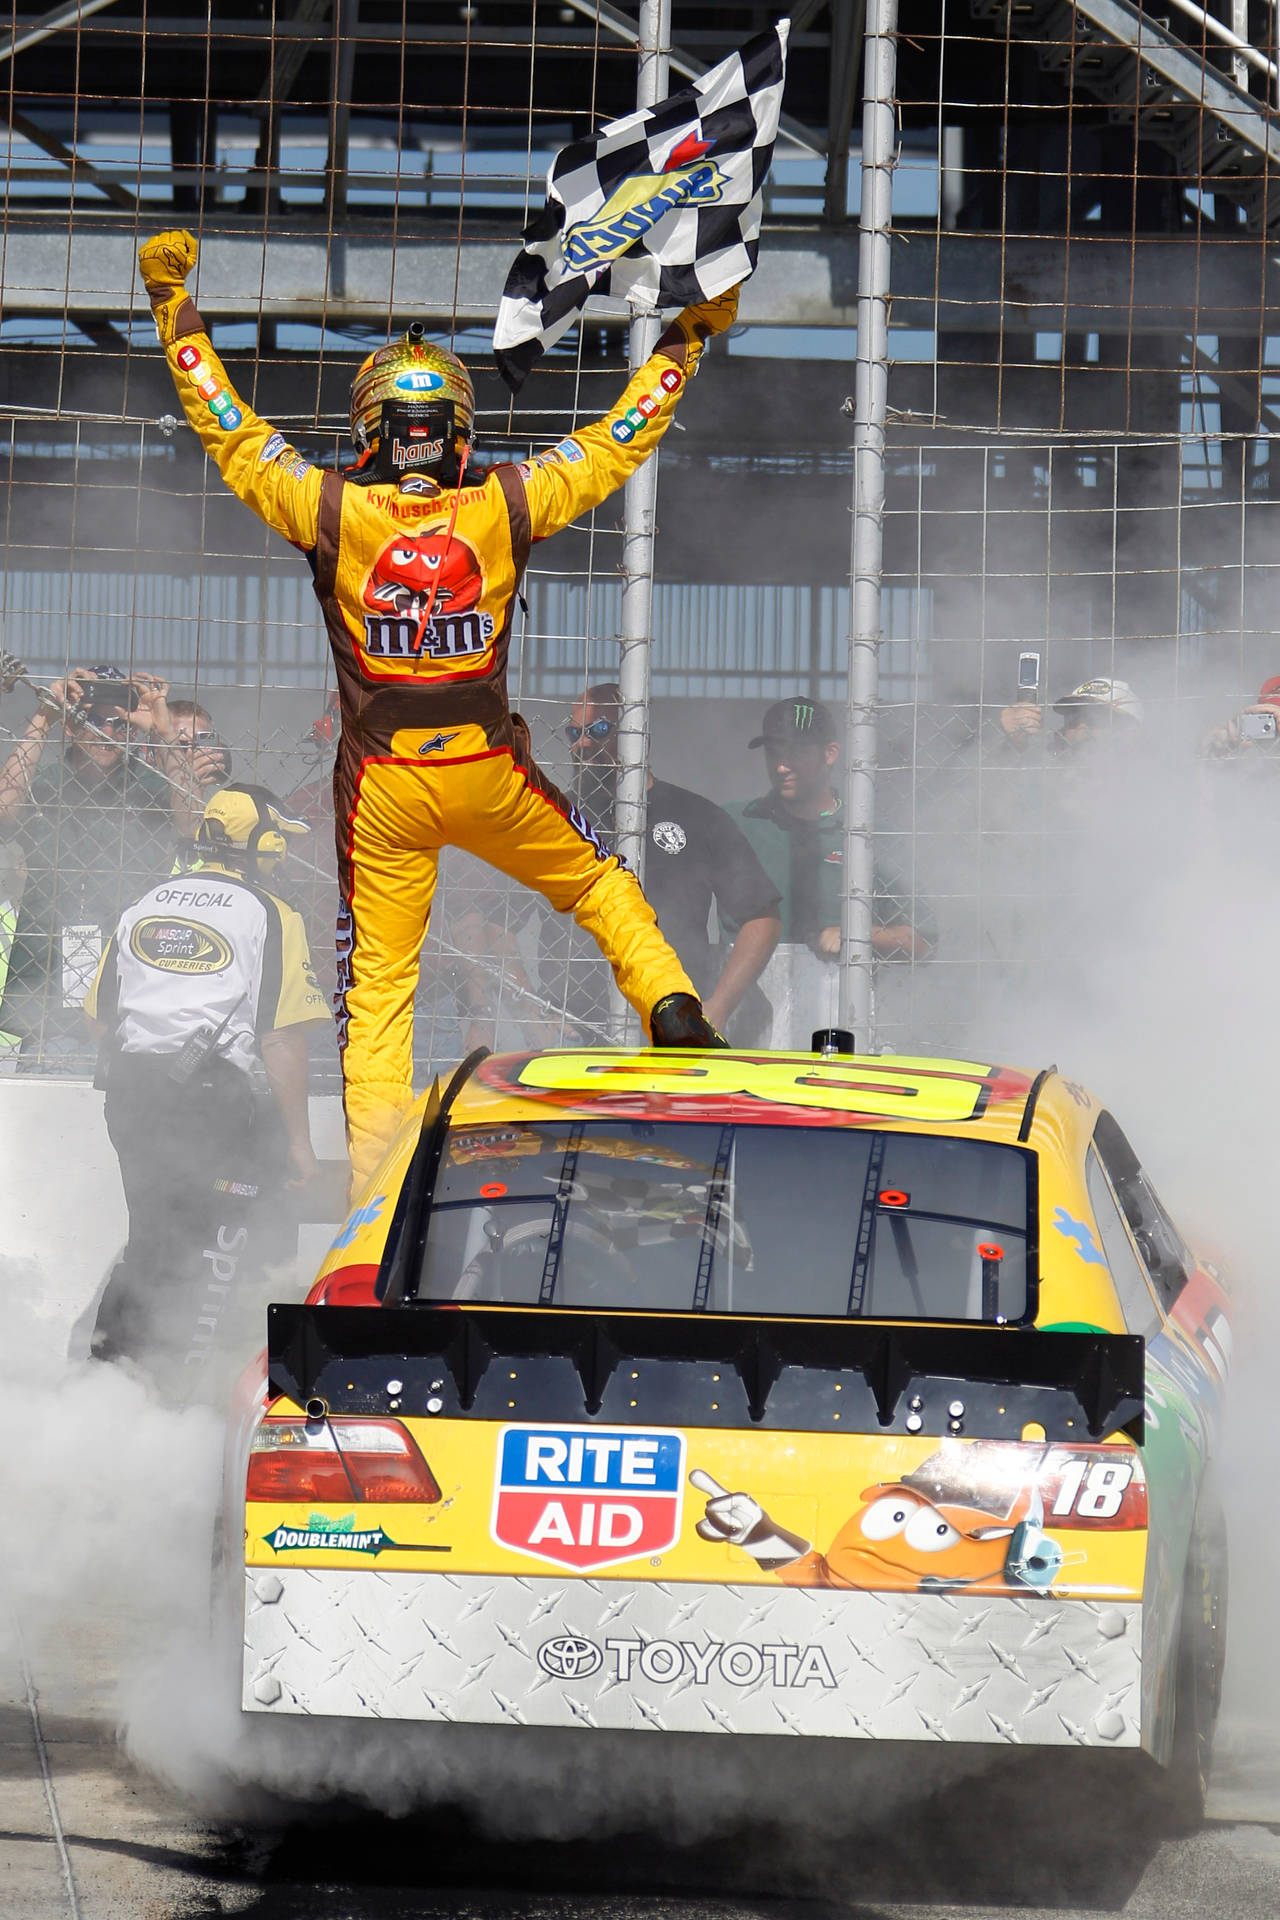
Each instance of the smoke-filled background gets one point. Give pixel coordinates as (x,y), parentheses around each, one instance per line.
(1154,988)
(1080,466)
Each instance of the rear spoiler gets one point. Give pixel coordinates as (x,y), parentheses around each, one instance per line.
(558,1364)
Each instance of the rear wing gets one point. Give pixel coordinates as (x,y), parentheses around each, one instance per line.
(564,1364)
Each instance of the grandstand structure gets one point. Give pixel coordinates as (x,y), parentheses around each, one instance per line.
(1083,370)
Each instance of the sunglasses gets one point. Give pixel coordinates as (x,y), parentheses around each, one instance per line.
(598,730)
(202,742)
(116,724)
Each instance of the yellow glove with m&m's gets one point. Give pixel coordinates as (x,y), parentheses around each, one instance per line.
(164,264)
(710,317)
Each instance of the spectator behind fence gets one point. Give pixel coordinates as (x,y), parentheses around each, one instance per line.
(1097,716)
(1023,822)
(201,1003)
(1253,727)
(194,757)
(797,833)
(694,857)
(95,825)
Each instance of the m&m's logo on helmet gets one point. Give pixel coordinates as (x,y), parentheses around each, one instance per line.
(418,380)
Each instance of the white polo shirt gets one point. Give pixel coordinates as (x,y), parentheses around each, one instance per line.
(198,949)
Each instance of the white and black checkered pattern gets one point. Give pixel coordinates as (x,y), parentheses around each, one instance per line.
(705,150)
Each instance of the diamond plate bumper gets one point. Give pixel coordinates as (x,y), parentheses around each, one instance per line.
(688,1658)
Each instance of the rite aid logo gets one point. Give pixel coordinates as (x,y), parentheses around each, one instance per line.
(567,1658)
(588,1497)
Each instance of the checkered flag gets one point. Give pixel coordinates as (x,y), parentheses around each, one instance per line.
(662,208)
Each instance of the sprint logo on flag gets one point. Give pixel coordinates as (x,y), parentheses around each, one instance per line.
(639,204)
(588,1497)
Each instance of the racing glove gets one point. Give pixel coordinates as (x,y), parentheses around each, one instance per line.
(740,1521)
(164,264)
(710,316)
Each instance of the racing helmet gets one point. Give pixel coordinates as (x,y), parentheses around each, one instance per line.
(1113,696)
(413,406)
(245,826)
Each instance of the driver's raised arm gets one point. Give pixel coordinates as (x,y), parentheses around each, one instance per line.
(593,462)
(253,457)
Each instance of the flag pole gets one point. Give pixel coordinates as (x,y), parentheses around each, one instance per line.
(871,382)
(639,513)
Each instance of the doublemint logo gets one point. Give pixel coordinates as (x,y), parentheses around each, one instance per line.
(339,1536)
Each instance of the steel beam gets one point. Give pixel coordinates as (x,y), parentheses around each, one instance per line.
(623,27)
(78,168)
(848,26)
(54,21)
(1199,85)
(346,21)
(955,282)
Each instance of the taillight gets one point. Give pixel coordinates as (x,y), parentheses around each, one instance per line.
(383,1461)
(337,1460)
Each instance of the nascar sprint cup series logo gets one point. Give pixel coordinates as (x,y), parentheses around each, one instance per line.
(588,1497)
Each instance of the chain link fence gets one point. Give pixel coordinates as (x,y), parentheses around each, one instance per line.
(1079,469)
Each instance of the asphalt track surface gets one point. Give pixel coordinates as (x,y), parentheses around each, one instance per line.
(85,1835)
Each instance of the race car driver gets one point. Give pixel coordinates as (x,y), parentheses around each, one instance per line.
(201,1004)
(418,574)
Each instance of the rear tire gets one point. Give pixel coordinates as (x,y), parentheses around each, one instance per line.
(1201,1654)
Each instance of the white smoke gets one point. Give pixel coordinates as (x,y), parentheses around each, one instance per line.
(1158,994)
(114,1496)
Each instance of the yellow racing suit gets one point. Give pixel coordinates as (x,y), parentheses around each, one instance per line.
(430,753)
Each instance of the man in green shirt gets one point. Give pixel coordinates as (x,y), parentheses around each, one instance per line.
(796,831)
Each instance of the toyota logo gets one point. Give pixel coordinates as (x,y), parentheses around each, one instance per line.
(568,1658)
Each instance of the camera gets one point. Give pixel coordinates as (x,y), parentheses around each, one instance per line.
(1257,726)
(1028,676)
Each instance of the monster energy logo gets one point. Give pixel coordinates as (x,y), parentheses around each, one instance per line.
(803,716)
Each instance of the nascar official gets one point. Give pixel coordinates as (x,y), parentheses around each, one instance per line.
(201,1007)
(418,574)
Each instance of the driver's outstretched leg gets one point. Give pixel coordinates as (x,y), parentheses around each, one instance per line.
(522,824)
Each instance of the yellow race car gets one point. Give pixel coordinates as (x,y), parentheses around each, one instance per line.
(755,1393)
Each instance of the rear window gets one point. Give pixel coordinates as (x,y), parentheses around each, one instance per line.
(731,1219)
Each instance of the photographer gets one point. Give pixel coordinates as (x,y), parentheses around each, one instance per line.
(1100,713)
(194,758)
(94,825)
(201,1004)
(1254,726)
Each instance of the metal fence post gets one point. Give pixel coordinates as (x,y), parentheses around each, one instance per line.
(871,377)
(638,524)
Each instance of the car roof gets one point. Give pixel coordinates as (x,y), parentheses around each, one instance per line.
(902,1092)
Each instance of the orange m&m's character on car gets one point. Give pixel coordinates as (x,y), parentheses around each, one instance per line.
(970,1517)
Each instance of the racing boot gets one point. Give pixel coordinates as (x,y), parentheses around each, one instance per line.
(678,1021)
